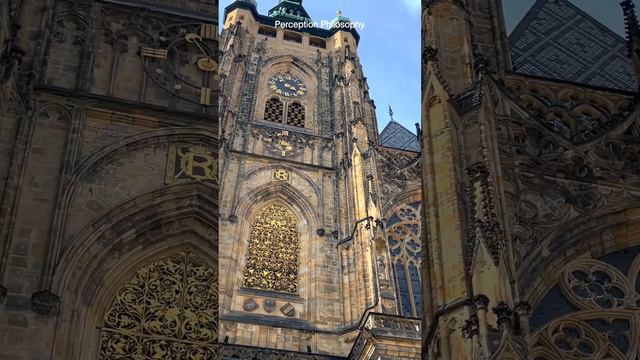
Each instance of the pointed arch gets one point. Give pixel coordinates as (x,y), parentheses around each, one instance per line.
(405,247)
(110,251)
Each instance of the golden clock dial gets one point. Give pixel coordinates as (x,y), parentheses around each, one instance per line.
(183,61)
(207,64)
(287,86)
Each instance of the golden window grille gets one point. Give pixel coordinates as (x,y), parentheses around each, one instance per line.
(168,310)
(272,255)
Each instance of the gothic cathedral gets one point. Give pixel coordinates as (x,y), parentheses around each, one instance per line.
(320,245)
(108,179)
(531,175)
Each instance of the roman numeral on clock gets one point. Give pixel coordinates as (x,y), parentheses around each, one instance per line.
(205,96)
(154,53)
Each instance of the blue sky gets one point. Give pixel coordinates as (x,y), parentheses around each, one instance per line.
(390,44)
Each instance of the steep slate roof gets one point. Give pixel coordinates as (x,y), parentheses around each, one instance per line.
(557,40)
(397,136)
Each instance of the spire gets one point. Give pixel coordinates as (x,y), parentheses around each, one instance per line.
(631,23)
(633,33)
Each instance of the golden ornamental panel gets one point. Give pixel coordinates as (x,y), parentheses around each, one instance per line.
(272,255)
(191,163)
(168,310)
(281,175)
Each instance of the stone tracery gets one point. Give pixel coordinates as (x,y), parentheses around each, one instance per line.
(403,236)
(592,311)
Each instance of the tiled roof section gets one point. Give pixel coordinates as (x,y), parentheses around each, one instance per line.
(557,40)
(397,136)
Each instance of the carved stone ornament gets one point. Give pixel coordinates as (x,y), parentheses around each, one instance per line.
(250,305)
(288,310)
(44,302)
(191,163)
(269,305)
(283,143)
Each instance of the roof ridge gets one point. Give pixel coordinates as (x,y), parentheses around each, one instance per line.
(394,121)
(600,23)
(539,5)
(520,27)
(544,45)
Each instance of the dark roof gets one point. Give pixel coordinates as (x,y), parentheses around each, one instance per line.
(557,40)
(397,136)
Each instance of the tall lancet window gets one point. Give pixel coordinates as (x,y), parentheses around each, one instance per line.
(272,255)
(273,110)
(403,235)
(295,114)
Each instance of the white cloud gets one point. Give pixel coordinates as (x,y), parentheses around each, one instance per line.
(413,5)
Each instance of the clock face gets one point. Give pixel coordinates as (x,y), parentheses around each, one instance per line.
(287,86)
(182,60)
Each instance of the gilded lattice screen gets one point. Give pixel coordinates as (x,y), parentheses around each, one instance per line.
(272,255)
(168,310)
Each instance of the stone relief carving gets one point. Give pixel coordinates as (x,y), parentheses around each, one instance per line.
(397,169)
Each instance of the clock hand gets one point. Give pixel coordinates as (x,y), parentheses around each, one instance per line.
(195,39)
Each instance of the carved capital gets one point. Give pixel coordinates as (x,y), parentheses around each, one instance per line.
(505,315)
(429,54)
(481,302)
(471,327)
(522,308)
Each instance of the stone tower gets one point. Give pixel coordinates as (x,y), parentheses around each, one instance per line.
(309,197)
(108,179)
(531,184)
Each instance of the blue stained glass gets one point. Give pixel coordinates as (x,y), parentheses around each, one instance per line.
(403,290)
(416,286)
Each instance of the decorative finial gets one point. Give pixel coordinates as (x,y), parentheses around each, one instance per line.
(391,112)
(339,12)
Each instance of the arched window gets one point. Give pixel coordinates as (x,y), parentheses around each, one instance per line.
(272,255)
(273,110)
(403,235)
(167,310)
(295,114)
(592,312)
